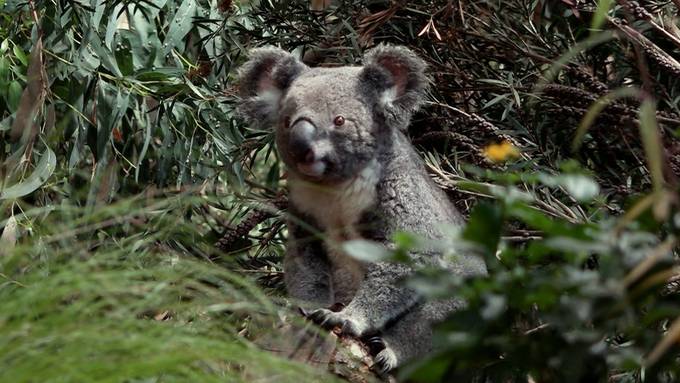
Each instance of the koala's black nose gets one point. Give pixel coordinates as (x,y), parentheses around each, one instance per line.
(300,142)
(301,150)
(309,156)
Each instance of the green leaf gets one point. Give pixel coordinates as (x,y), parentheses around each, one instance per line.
(123,56)
(367,251)
(180,25)
(20,55)
(86,62)
(581,187)
(603,7)
(651,141)
(99,6)
(494,306)
(596,108)
(104,55)
(160,74)
(484,227)
(574,51)
(112,26)
(112,105)
(42,172)
(14,95)
(143,120)
(4,68)
(213,46)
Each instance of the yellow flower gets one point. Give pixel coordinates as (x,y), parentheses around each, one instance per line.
(500,152)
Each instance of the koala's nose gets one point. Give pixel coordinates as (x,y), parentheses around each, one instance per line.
(309,156)
(301,141)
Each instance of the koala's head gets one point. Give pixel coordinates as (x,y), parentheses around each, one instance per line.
(331,122)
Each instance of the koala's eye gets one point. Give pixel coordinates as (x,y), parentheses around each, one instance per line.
(286,122)
(339,121)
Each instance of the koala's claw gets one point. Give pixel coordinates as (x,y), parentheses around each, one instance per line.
(323,317)
(375,344)
(330,320)
(385,361)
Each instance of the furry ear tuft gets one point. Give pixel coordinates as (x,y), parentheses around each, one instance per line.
(399,76)
(263,80)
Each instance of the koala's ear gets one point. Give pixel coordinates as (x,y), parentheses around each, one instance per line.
(398,75)
(263,80)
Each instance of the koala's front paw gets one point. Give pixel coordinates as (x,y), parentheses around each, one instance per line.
(329,320)
(385,361)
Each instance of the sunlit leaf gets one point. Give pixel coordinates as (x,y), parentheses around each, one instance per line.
(366,251)
(579,186)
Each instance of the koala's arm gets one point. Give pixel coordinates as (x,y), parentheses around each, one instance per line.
(382,298)
(306,268)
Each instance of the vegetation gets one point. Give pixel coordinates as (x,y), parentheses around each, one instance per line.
(141,220)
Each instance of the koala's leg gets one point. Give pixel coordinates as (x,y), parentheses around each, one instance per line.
(308,281)
(307,277)
(346,276)
(307,272)
(411,336)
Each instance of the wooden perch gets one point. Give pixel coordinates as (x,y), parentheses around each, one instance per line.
(346,357)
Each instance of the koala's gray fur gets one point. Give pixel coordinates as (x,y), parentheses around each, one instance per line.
(357,179)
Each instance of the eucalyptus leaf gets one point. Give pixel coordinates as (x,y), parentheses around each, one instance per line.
(4,68)
(581,187)
(160,74)
(37,178)
(14,95)
(366,251)
(180,25)
(20,55)
(112,26)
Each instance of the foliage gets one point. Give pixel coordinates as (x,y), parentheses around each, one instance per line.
(120,168)
(122,164)
(112,296)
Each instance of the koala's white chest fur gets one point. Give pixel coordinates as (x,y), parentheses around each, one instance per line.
(337,209)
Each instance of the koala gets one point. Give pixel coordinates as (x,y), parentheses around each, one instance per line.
(352,173)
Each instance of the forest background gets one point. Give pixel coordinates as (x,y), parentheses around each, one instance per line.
(143,222)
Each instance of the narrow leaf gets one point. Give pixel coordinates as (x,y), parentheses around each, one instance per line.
(596,108)
(9,236)
(31,183)
(651,141)
(180,25)
(32,97)
(603,7)
(367,251)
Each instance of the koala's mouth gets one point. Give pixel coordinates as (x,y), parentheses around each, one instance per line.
(314,169)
